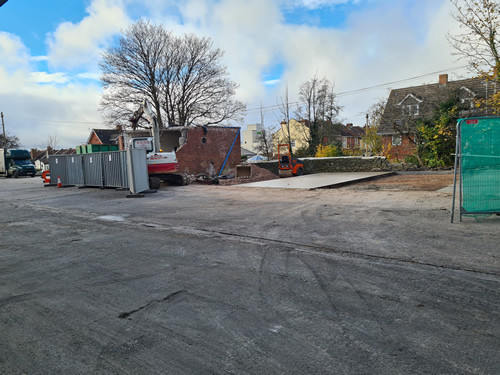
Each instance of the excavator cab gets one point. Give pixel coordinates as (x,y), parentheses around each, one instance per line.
(288,166)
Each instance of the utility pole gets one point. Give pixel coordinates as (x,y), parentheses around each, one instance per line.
(4,136)
(366,135)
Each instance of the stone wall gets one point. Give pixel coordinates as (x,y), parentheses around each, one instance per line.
(338,164)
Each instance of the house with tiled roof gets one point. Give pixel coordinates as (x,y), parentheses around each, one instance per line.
(351,136)
(104,136)
(40,158)
(407,105)
(299,133)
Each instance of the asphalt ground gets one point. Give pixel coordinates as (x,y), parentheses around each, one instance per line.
(224,280)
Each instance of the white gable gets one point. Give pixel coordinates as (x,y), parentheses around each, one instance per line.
(410,96)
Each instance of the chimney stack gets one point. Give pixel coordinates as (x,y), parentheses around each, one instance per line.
(443,79)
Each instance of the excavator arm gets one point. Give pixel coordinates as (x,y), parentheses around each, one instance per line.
(145,111)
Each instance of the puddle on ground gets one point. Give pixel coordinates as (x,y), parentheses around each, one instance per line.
(111,218)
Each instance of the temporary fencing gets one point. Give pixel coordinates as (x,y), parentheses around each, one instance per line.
(114,168)
(477,164)
(100,169)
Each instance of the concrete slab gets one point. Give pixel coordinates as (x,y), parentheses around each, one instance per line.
(447,189)
(317,181)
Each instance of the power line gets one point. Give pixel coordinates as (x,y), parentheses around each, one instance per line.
(402,80)
(61,121)
(276,106)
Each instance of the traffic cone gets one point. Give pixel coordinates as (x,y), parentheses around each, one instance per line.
(59,184)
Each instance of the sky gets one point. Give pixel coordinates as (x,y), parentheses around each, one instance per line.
(50,50)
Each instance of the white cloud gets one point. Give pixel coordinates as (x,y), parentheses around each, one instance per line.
(43,77)
(272,82)
(12,51)
(314,4)
(37,104)
(76,45)
(378,44)
(34,111)
(89,75)
(38,58)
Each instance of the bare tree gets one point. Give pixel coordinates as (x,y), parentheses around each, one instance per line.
(372,140)
(201,92)
(376,111)
(479,43)
(265,138)
(182,77)
(51,142)
(132,70)
(12,141)
(284,108)
(318,105)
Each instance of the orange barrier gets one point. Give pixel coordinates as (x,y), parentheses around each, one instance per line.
(45,178)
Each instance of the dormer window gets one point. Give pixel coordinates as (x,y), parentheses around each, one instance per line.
(467,102)
(410,105)
(467,97)
(411,109)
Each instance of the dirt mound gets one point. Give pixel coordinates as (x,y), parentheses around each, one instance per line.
(257,174)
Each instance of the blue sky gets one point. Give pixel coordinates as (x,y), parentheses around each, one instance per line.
(50,51)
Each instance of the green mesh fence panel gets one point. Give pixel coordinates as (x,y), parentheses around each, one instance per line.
(480,164)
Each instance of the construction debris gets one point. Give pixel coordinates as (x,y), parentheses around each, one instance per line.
(256,174)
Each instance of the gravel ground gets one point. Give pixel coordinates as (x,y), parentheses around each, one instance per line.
(428,182)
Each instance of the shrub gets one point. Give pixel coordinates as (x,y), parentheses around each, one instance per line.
(328,151)
(412,159)
(302,152)
(352,152)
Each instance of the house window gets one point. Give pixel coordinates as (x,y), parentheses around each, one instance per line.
(467,97)
(467,102)
(396,140)
(344,142)
(411,110)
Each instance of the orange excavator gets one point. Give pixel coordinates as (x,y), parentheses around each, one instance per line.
(288,166)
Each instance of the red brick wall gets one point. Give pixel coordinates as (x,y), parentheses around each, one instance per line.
(406,148)
(94,140)
(196,157)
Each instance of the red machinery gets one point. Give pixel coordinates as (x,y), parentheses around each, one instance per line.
(288,166)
